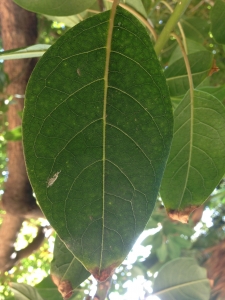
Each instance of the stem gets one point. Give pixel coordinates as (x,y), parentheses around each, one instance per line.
(140,17)
(179,26)
(191,111)
(187,66)
(171,23)
(102,289)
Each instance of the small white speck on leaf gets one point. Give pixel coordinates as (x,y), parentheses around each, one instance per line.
(53,179)
(78,71)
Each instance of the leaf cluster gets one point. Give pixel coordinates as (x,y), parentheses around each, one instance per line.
(97,132)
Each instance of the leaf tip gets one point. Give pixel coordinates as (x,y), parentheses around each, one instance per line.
(102,275)
(181,215)
(64,287)
(214,68)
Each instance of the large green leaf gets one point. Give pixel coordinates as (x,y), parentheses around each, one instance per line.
(67,272)
(24,291)
(196,161)
(176,73)
(182,279)
(97,130)
(218,21)
(55,7)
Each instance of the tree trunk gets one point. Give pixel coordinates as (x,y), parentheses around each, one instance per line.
(18,29)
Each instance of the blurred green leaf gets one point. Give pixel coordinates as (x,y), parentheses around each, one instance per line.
(3,107)
(151,224)
(168,227)
(157,240)
(67,272)
(13,135)
(72,20)
(184,229)
(148,240)
(182,279)
(218,21)
(161,252)
(24,291)
(181,241)
(56,7)
(48,290)
(26,52)
(69,21)
(195,28)
(137,5)
(176,73)
(192,47)
(4,80)
(174,248)
(218,92)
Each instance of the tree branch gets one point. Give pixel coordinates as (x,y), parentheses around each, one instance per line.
(33,246)
(102,289)
(9,229)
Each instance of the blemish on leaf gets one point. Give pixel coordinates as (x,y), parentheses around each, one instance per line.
(64,287)
(181,215)
(53,179)
(213,69)
(78,71)
(102,275)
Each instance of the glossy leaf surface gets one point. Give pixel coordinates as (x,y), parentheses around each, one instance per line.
(55,7)
(67,272)
(218,21)
(196,161)
(97,131)
(176,73)
(182,278)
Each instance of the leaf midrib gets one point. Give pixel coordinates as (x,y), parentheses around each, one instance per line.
(106,79)
(178,286)
(186,75)
(191,93)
